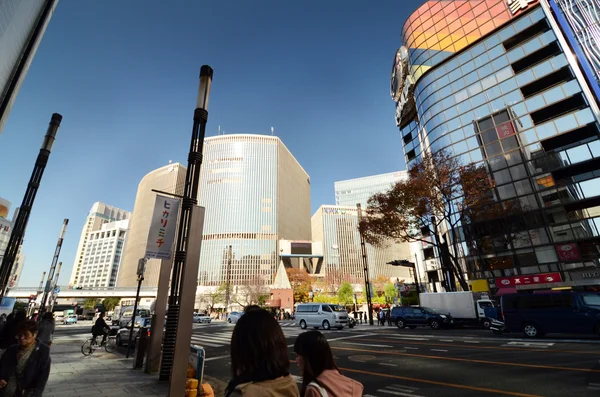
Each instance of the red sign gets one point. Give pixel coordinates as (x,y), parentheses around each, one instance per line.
(505,130)
(567,252)
(542,278)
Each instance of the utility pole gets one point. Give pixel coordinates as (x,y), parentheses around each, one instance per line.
(228,290)
(18,232)
(363,249)
(55,285)
(188,202)
(140,273)
(50,281)
(39,291)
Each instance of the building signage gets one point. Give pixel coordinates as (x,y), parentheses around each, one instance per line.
(162,228)
(517,5)
(589,274)
(338,211)
(568,252)
(505,130)
(514,281)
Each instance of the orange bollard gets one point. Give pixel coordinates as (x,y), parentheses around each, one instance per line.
(205,390)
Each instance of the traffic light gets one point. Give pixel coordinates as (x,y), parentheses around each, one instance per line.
(403,263)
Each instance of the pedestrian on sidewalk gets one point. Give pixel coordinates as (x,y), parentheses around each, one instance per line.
(46,331)
(25,367)
(260,363)
(381,317)
(9,332)
(320,376)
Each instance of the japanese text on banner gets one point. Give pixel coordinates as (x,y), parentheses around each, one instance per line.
(162,228)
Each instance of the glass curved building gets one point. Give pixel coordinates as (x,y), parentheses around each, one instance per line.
(255,193)
(496,83)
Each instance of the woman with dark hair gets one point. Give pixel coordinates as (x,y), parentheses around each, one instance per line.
(320,375)
(25,367)
(260,364)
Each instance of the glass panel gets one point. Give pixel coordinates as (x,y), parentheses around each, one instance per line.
(590,188)
(510,143)
(502,177)
(523,187)
(595,148)
(579,154)
(506,191)
(493,149)
(546,254)
(518,172)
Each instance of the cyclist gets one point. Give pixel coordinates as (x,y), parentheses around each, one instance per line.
(101,328)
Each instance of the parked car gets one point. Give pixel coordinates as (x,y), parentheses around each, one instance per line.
(123,333)
(233,317)
(416,316)
(201,318)
(325,315)
(538,314)
(70,319)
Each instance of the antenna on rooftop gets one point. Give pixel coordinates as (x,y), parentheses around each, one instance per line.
(272,131)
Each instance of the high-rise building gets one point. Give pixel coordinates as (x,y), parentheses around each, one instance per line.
(255,193)
(5,232)
(22,26)
(103,255)
(358,190)
(496,84)
(169,178)
(337,227)
(99,215)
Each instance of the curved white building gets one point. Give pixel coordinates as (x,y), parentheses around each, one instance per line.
(255,193)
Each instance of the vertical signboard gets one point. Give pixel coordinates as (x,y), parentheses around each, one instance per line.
(162,228)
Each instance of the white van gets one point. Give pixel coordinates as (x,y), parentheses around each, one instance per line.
(319,315)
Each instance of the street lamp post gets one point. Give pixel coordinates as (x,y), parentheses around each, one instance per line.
(189,201)
(50,280)
(366,268)
(140,277)
(18,231)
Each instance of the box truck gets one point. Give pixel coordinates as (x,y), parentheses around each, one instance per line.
(466,308)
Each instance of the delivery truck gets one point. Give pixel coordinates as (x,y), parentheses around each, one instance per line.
(466,308)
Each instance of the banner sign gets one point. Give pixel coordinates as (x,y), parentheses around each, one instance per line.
(542,278)
(568,252)
(162,228)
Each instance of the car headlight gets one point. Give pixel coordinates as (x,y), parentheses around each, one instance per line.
(442,315)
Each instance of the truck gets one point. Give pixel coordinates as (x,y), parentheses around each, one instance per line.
(466,308)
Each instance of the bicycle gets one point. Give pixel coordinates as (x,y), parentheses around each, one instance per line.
(91,344)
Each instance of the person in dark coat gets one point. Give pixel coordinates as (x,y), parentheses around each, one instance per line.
(25,367)
(9,331)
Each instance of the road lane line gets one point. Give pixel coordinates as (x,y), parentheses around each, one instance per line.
(510,364)
(445,384)
(499,347)
(471,341)
(389,364)
(217,358)
(446,340)
(364,344)
(438,350)
(402,387)
(398,393)
(411,348)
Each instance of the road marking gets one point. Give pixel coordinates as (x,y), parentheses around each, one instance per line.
(510,364)
(411,348)
(402,387)
(389,364)
(438,350)
(398,393)
(530,344)
(407,337)
(434,382)
(364,344)
(217,358)
(471,341)
(446,340)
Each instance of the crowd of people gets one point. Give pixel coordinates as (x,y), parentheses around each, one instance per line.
(260,363)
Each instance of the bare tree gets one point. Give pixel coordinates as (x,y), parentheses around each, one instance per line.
(252,291)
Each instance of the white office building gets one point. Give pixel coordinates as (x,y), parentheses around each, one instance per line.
(103,254)
(99,215)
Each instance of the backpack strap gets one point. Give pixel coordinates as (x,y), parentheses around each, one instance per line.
(321,389)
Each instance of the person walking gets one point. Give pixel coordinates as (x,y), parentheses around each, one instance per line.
(260,364)
(381,317)
(320,376)
(46,329)
(25,367)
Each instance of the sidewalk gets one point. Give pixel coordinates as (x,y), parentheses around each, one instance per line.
(102,374)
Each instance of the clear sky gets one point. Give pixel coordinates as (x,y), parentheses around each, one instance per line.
(124,75)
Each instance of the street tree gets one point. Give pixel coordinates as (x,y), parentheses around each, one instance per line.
(345,294)
(90,303)
(390,292)
(251,291)
(301,283)
(109,304)
(215,297)
(379,284)
(429,207)
(335,278)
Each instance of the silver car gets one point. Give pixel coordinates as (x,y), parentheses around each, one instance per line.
(201,318)
(321,315)
(233,317)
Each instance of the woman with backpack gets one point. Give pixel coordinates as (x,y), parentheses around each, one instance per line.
(320,375)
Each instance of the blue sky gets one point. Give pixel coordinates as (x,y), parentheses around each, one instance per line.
(124,75)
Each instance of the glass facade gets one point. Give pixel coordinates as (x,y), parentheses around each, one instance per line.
(353,191)
(510,101)
(246,182)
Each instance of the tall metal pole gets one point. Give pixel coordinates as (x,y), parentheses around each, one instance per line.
(50,280)
(363,249)
(228,290)
(140,273)
(189,201)
(417,275)
(18,232)
(54,296)
(39,291)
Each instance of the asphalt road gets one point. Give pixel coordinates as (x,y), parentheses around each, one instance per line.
(427,363)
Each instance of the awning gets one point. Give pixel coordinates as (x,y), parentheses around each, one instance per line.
(502,291)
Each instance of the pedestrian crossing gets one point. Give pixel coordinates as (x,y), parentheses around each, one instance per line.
(223,338)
